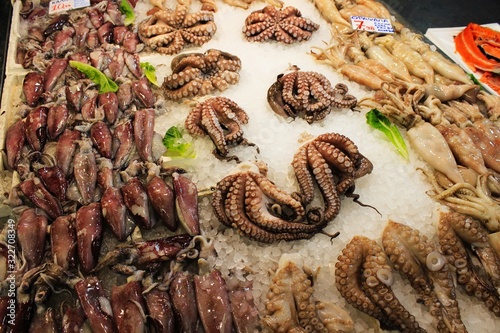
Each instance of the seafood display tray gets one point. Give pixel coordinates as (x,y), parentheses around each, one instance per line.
(395,187)
(443,39)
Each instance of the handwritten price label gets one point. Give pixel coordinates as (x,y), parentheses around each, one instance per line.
(57,6)
(372,24)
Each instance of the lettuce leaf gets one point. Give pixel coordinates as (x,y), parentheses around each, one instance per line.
(476,81)
(105,83)
(377,120)
(150,72)
(127,10)
(176,146)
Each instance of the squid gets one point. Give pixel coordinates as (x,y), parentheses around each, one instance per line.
(432,147)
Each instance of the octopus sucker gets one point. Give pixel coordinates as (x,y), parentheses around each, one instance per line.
(242,200)
(427,269)
(292,307)
(363,277)
(304,177)
(464,241)
(326,184)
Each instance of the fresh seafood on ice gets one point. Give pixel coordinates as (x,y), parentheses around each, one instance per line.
(364,278)
(427,269)
(285,25)
(465,243)
(292,307)
(307,94)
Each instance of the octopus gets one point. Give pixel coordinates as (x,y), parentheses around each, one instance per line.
(292,307)
(199,74)
(168,31)
(256,208)
(364,278)
(284,25)
(220,118)
(464,242)
(427,270)
(334,161)
(245,4)
(307,94)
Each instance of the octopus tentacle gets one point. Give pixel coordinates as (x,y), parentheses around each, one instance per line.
(405,262)
(157,41)
(339,162)
(215,131)
(342,99)
(457,234)
(341,142)
(172,17)
(326,184)
(240,201)
(256,210)
(230,109)
(175,44)
(235,203)
(304,177)
(472,232)
(193,121)
(362,276)
(219,198)
(433,263)
(279,196)
(181,78)
(193,19)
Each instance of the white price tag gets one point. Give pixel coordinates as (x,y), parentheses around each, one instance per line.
(372,24)
(57,6)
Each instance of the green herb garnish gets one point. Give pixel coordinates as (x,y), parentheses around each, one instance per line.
(127,10)
(105,83)
(176,146)
(377,120)
(476,81)
(150,72)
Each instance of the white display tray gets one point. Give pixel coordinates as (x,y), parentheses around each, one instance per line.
(443,38)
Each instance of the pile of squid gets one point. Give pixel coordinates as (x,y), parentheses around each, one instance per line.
(405,72)
(72,33)
(169,288)
(338,12)
(91,203)
(462,256)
